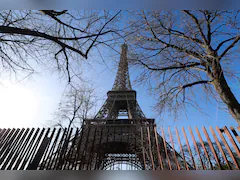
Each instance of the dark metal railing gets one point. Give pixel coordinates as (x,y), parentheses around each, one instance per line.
(147,146)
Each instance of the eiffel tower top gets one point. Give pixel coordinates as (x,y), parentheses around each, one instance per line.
(122,81)
(121,101)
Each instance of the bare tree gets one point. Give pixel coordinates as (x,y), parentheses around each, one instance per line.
(212,164)
(184,51)
(77,104)
(51,38)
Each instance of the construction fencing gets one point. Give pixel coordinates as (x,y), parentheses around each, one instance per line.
(52,148)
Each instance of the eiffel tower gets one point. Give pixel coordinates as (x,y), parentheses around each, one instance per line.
(120,136)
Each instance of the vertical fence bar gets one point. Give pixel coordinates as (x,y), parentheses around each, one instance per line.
(3,131)
(204,149)
(34,163)
(77,150)
(211,147)
(63,149)
(232,140)
(51,153)
(14,149)
(143,150)
(72,150)
(91,151)
(68,149)
(23,150)
(174,152)
(58,152)
(189,149)
(10,150)
(165,148)
(128,141)
(196,147)
(150,148)
(45,154)
(98,142)
(41,139)
(180,144)
(18,150)
(235,134)
(227,147)
(6,135)
(8,140)
(84,148)
(158,150)
(135,143)
(10,144)
(69,153)
(32,147)
(29,146)
(7,146)
(219,147)
(63,152)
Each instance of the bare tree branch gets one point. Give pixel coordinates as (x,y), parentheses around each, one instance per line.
(14,30)
(229,47)
(171,67)
(198,25)
(196,83)
(76,106)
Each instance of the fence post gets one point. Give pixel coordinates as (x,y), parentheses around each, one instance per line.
(235,134)
(34,164)
(219,147)
(232,140)
(227,147)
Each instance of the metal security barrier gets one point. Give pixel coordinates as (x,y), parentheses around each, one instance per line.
(79,149)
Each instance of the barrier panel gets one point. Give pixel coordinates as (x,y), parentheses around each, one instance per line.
(150,148)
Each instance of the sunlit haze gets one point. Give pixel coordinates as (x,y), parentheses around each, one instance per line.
(18,105)
(29,104)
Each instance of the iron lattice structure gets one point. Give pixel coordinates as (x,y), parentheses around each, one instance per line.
(120,133)
(121,100)
(122,81)
(113,144)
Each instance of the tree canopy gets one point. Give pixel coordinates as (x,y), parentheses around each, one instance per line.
(180,50)
(49,37)
(186,50)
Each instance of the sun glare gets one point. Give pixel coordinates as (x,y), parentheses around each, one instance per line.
(18,106)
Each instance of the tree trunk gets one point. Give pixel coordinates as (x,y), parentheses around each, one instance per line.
(225,93)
